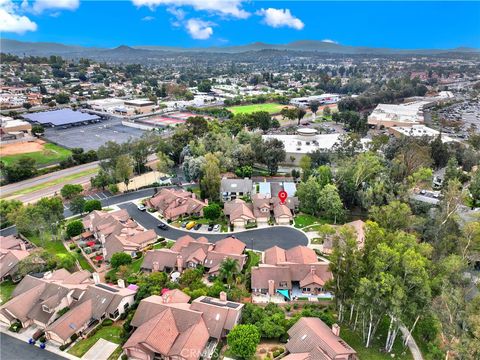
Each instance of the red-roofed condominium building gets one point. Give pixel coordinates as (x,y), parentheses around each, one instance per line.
(312,339)
(188,252)
(117,232)
(290,274)
(173,204)
(165,329)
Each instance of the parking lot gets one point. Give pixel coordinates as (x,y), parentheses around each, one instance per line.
(92,136)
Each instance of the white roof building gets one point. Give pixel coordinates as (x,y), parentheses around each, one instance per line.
(419,131)
(390,115)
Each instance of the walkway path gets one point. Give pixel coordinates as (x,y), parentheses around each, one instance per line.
(412,345)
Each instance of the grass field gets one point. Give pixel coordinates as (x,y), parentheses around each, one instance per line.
(111,333)
(51,154)
(6,289)
(272,108)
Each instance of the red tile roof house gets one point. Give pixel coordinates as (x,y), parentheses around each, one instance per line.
(96,303)
(239,213)
(293,273)
(188,252)
(172,204)
(37,301)
(12,251)
(165,329)
(264,206)
(359,228)
(312,339)
(117,232)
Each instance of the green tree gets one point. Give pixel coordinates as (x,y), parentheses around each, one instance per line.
(314,105)
(273,153)
(74,228)
(164,164)
(330,204)
(300,114)
(212,211)
(69,191)
(124,169)
(210,181)
(474,188)
(306,166)
(120,258)
(62,98)
(77,205)
(21,169)
(229,269)
(8,207)
(38,130)
(91,205)
(243,340)
(308,194)
(452,171)
(393,216)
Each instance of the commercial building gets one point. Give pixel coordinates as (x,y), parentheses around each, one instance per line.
(323,99)
(390,115)
(418,131)
(14,129)
(62,117)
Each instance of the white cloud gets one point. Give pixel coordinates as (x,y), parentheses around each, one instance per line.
(224,7)
(12,21)
(280,18)
(41,5)
(330,41)
(199,29)
(148,18)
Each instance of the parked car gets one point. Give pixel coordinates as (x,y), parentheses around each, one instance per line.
(198,226)
(162,226)
(423,192)
(216,228)
(190,225)
(141,207)
(210,227)
(184,224)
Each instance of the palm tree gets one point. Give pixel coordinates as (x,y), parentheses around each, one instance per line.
(228,269)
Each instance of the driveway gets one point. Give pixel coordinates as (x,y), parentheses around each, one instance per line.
(101,350)
(12,348)
(258,239)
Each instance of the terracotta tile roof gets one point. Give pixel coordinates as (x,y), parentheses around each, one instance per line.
(230,245)
(164,258)
(238,209)
(183,330)
(173,203)
(312,334)
(282,210)
(301,255)
(311,278)
(263,273)
(11,242)
(274,255)
(72,321)
(9,260)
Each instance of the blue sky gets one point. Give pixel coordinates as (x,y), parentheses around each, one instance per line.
(191,23)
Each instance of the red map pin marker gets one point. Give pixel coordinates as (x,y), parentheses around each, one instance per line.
(282,195)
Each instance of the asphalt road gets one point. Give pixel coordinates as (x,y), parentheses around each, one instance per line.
(14,349)
(259,239)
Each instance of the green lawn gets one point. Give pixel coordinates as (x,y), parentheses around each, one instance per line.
(54,247)
(111,333)
(6,289)
(374,352)
(51,154)
(83,262)
(304,220)
(272,108)
(135,265)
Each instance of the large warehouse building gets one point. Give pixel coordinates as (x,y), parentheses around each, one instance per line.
(63,117)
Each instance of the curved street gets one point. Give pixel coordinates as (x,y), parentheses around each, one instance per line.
(257,239)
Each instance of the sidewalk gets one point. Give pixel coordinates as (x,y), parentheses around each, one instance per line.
(24,337)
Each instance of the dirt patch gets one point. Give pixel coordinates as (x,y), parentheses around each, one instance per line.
(268,349)
(22,148)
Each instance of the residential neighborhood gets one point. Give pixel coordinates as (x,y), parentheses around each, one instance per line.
(239,180)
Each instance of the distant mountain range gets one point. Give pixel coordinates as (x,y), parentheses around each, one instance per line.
(47,48)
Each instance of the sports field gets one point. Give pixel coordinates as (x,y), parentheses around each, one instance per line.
(43,153)
(272,108)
